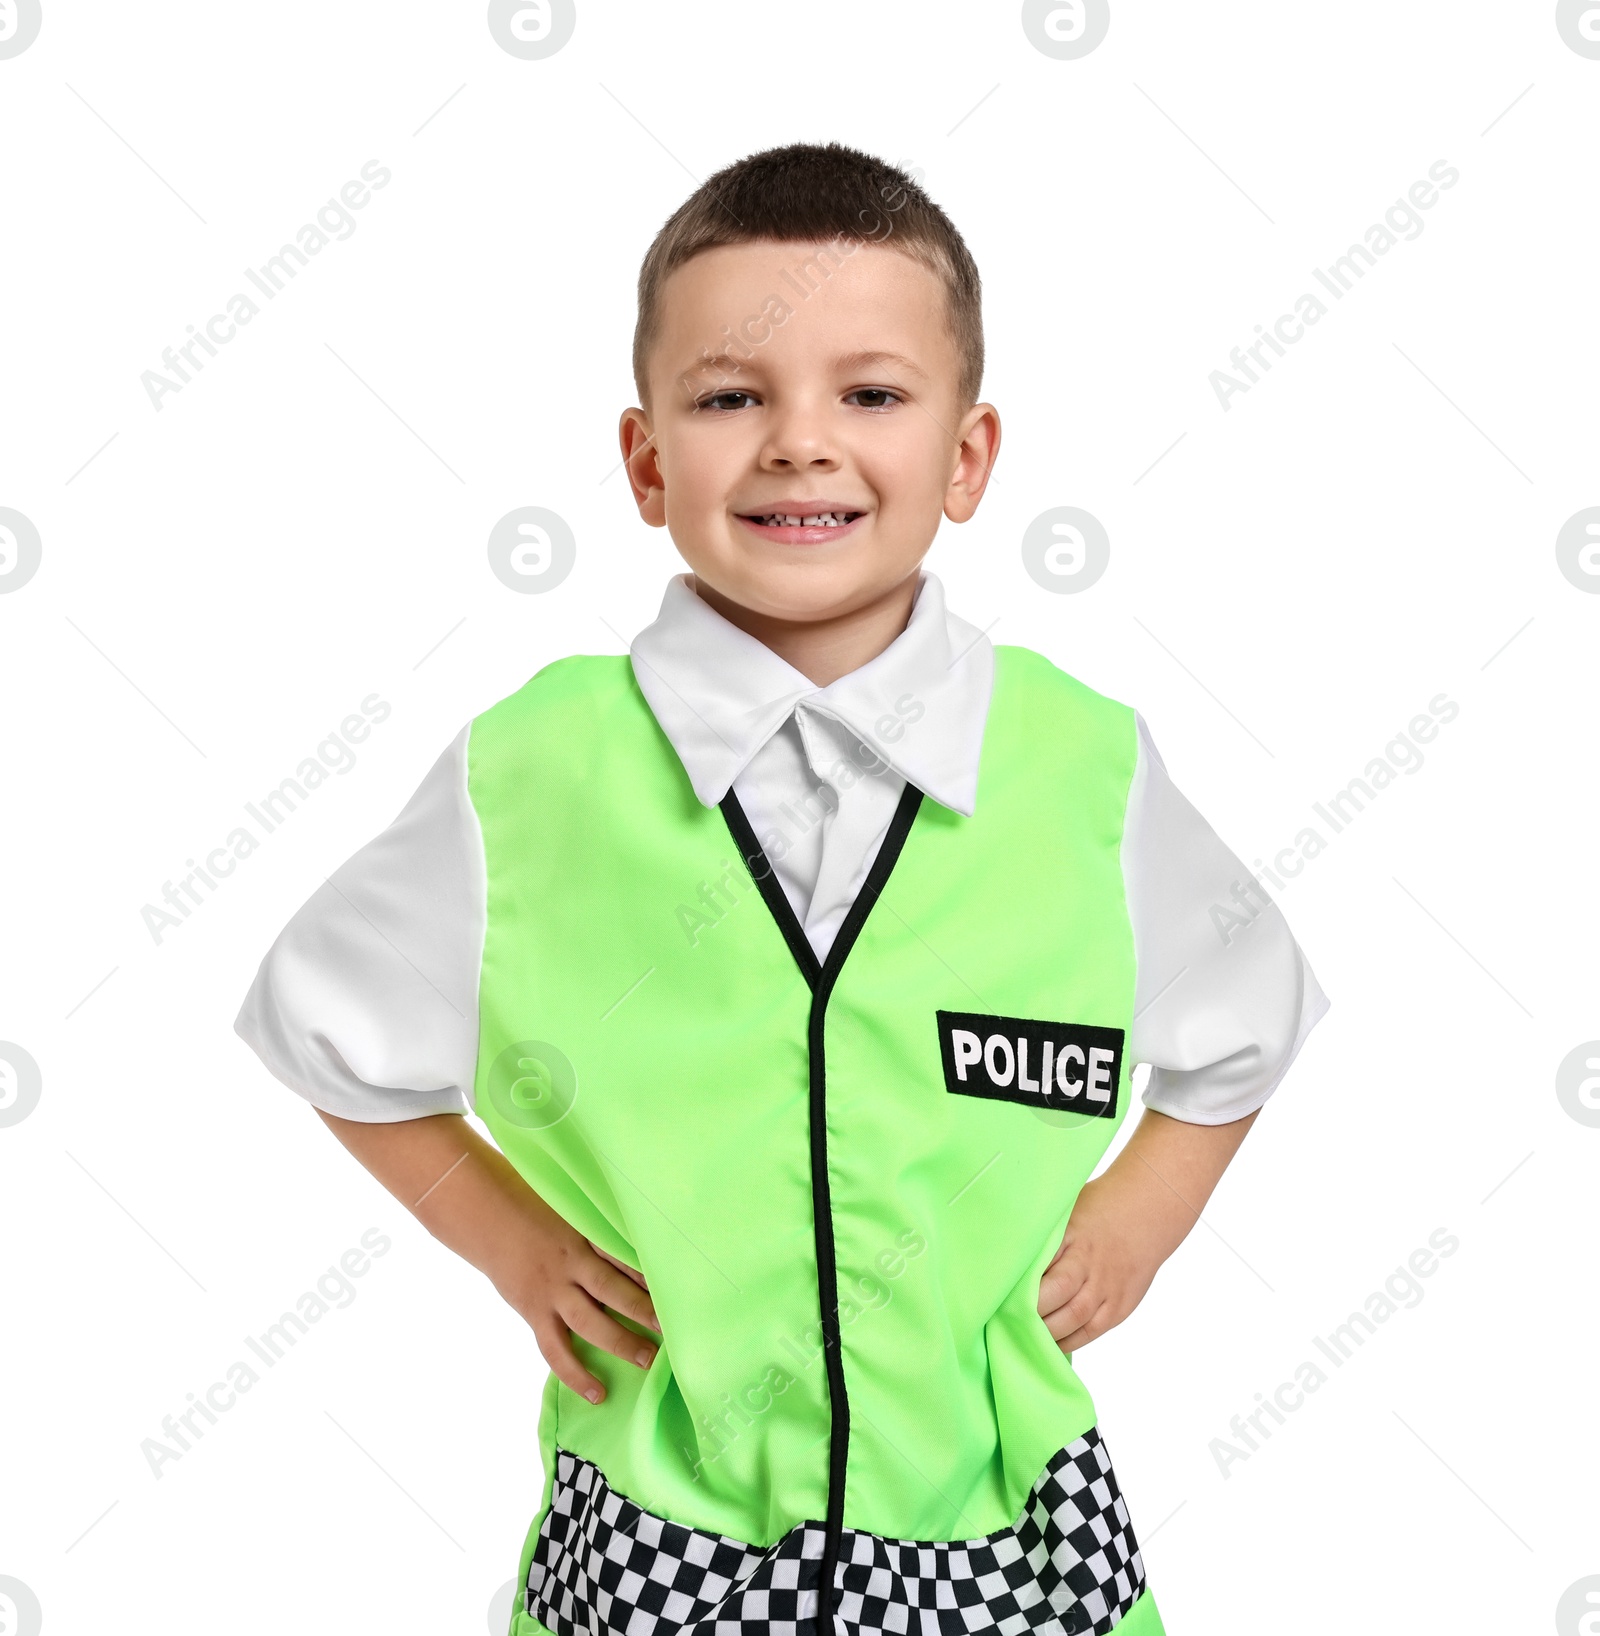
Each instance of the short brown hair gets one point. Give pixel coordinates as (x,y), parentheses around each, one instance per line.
(817,192)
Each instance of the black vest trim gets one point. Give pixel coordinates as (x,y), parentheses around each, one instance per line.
(771,889)
(821,980)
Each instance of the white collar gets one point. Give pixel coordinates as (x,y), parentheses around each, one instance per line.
(719,694)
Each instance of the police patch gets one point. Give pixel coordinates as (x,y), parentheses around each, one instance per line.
(1073,1067)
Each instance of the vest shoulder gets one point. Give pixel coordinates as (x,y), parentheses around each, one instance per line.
(569,715)
(1041,682)
(576,684)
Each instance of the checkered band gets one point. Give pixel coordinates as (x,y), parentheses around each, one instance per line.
(1070,1564)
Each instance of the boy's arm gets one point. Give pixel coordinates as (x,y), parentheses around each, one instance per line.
(471,1198)
(1129,1219)
(1224,999)
(366,1005)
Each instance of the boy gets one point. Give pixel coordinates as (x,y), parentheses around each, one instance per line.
(797,964)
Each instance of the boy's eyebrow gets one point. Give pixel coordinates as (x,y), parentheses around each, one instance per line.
(857,360)
(724,363)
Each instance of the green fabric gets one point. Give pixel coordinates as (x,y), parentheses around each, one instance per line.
(1142,1619)
(682,1144)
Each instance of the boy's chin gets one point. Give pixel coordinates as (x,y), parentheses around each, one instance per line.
(804,589)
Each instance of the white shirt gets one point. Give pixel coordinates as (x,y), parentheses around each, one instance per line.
(738,714)
(366,1004)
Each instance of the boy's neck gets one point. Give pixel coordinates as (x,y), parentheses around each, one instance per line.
(823,650)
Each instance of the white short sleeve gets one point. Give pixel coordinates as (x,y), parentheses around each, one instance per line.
(1224,998)
(367,1003)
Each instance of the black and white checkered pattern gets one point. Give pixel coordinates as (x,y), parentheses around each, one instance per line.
(1069,1565)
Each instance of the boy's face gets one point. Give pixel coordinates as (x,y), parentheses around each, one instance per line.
(767,401)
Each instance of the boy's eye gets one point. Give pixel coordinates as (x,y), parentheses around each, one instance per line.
(714,401)
(718,402)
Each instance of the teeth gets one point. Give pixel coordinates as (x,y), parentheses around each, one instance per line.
(822,519)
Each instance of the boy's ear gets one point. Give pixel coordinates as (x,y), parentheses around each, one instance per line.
(640,461)
(978,446)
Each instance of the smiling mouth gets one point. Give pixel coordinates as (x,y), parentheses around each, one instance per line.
(790,519)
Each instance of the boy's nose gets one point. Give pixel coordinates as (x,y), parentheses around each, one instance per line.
(800,437)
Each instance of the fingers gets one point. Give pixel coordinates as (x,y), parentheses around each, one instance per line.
(579,1315)
(1068,1302)
(1072,1315)
(621,1266)
(584,1317)
(556,1345)
(1099,1321)
(620,1293)
(1063,1279)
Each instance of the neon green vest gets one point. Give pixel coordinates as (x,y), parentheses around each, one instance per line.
(842,1183)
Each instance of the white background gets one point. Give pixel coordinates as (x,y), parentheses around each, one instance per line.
(304,524)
